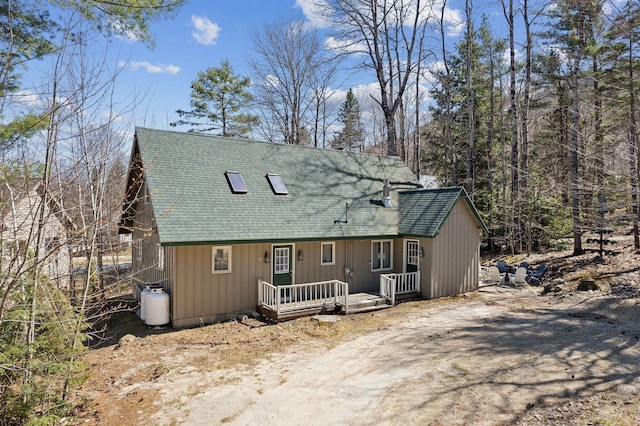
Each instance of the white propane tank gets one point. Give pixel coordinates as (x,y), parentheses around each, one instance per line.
(143,305)
(157,307)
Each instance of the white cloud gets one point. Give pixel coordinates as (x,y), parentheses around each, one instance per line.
(128,35)
(453,21)
(204,32)
(26,98)
(346,46)
(150,68)
(312,10)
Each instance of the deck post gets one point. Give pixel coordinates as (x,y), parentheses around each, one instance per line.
(346,298)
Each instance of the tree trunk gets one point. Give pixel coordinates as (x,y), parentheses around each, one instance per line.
(448,138)
(524,151)
(633,147)
(470,124)
(490,139)
(416,136)
(575,176)
(515,177)
(402,132)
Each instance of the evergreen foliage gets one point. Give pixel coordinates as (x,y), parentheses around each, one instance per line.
(218,97)
(35,371)
(351,137)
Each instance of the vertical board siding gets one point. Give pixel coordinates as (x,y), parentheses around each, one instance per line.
(203,297)
(363,279)
(450,267)
(199,296)
(146,272)
(454,256)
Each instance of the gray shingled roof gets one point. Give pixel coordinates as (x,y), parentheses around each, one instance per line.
(193,204)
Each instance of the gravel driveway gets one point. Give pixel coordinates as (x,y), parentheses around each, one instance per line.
(503,356)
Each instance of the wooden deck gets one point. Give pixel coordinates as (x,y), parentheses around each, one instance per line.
(358,302)
(298,300)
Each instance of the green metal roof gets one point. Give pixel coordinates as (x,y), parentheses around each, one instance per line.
(193,203)
(423,212)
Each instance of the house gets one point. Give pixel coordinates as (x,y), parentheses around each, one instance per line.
(228,225)
(26,208)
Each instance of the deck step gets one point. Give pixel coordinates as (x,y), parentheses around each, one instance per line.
(369,308)
(367,303)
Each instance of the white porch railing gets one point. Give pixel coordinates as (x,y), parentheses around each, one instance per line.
(392,284)
(284,298)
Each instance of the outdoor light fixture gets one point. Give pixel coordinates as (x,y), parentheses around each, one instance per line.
(300,256)
(266,257)
(422,252)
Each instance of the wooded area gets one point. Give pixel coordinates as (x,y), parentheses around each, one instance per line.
(539,126)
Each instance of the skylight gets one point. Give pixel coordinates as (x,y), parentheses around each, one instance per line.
(277,185)
(236,182)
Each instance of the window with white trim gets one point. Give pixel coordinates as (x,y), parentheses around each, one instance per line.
(327,251)
(381,255)
(413,252)
(221,259)
(160,257)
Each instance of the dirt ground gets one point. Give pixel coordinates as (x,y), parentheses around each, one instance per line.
(502,355)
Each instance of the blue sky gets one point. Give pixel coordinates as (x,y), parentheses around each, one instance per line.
(201,35)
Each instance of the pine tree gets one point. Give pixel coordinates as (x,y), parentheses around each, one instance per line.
(217,98)
(351,138)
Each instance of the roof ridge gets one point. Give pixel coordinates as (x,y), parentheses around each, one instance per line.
(248,140)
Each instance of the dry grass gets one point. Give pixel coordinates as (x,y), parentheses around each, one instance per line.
(113,397)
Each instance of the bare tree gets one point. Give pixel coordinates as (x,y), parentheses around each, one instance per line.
(469,182)
(446,86)
(513,111)
(81,120)
(387,33)
(292,78)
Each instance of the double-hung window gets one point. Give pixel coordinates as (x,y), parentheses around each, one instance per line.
(221,262)
(327,251)
(381,255)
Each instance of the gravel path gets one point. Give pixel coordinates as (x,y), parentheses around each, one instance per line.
(505,356)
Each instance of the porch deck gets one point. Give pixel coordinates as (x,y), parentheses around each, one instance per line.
(297,300)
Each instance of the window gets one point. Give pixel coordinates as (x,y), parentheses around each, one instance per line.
(327,250)
(221,259)
(413,252)
(51,244)
(160,257)
(381,255)
(236,182)
(277,185)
